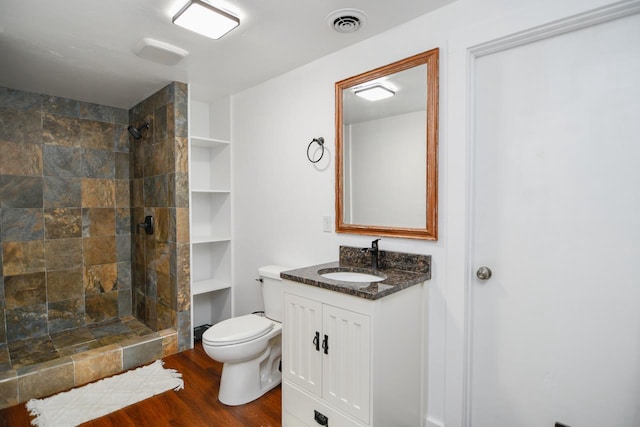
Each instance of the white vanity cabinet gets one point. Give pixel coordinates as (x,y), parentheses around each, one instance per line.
(350,361)
(328,352)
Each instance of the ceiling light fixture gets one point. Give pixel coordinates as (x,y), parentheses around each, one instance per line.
(375,93)
(205,19)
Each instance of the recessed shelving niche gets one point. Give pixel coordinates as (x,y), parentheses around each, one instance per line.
(211,240)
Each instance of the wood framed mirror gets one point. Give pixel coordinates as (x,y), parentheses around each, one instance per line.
(387,150)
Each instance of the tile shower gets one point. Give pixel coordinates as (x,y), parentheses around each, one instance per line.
(82,294)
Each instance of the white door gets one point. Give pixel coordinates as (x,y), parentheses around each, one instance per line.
(555,332)
(301,341)
(346,361)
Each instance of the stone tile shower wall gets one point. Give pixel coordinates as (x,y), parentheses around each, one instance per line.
(65,214)
(68,182)
(161,287)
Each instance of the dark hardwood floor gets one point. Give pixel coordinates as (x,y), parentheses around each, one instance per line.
(196,405)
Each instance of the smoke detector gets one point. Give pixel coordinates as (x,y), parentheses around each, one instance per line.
(346,20)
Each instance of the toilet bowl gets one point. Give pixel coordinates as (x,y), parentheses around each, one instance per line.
(250,346)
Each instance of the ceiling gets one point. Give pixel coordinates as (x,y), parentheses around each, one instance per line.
(83,49)
(410,95)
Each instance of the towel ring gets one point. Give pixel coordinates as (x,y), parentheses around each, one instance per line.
(320,142)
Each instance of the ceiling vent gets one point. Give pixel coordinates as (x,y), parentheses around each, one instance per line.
(347,20)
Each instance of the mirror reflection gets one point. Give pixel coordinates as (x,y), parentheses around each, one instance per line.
(386,148)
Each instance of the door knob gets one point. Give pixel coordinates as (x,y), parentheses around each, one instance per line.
(483,273)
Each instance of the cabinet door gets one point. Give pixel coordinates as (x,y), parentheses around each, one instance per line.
(302,362)
(346,364)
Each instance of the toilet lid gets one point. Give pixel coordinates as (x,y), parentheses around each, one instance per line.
(237,330)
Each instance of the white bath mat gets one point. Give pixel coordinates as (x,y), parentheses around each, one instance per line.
(94,400)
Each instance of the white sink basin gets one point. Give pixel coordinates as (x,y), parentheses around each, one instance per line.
(352,276)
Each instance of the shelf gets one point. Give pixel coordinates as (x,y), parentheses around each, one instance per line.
(200,190)
(211,167)
(201,141)
(210,285)
(210,210)
(209,239)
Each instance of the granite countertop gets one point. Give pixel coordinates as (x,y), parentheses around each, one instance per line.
(399,269)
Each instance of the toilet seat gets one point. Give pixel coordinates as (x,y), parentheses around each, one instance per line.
(237,330)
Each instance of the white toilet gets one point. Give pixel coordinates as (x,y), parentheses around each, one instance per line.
(250,345)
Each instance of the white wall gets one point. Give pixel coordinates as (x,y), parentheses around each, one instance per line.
(280,198)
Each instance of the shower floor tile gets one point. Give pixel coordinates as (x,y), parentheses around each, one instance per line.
(111,332)
(5,359)
(72,337)
(137,326)
(31,351)
(21,353)
(79,348)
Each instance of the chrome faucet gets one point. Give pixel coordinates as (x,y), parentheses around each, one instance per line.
(373,250)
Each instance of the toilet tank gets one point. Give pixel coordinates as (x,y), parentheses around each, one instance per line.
(272,290)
